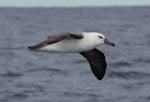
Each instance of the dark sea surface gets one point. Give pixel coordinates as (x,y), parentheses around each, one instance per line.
(66,77)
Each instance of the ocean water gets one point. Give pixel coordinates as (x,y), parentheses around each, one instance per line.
(66,77)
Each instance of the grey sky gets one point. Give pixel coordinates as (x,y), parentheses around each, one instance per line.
(71,3)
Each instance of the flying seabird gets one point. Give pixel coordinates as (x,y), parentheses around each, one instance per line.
(84,43)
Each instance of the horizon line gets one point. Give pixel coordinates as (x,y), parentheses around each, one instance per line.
(74,6)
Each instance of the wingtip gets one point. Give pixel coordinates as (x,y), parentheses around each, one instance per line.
(100,75)
(99,78)
(30,48)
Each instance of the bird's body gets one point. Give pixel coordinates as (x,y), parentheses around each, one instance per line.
(87,43)
(84,43)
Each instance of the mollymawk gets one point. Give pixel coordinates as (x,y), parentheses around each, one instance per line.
(83,42)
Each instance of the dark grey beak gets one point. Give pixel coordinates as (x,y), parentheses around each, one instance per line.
(108,42)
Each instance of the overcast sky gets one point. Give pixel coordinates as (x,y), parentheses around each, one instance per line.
(71,3)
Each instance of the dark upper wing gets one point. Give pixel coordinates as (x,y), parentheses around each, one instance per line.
(56,38)
(97,62)
(60,36)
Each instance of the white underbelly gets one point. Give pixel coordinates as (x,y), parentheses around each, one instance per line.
(68,46)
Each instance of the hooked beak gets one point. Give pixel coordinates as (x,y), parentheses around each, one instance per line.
(108,42)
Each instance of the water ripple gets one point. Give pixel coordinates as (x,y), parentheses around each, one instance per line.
(52,70)
(10,74)
(129,75)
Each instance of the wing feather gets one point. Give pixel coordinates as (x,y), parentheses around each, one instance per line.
(97,62)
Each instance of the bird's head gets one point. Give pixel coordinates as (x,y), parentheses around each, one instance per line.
(101,39)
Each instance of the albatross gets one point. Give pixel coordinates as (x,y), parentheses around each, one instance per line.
(84,43)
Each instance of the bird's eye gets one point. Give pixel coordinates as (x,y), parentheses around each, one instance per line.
(100,37)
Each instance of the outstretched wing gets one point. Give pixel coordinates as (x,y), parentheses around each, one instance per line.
(97,62)
(63,35)
(55,38)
